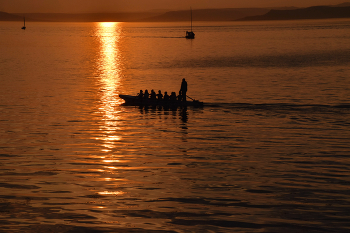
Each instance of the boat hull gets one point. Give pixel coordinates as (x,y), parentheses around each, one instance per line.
(190,35)
(136,101)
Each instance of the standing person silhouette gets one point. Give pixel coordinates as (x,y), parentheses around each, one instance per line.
(183,89)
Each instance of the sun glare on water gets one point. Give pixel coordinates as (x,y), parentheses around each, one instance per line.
(110,72)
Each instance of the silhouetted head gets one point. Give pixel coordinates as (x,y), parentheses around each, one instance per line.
(159,92)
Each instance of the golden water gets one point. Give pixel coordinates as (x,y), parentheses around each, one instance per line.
(269,152)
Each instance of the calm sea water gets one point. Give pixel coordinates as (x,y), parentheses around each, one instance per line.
(269,151)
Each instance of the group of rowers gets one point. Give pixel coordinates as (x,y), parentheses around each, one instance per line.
(166,97)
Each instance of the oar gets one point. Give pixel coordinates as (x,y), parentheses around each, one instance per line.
(191,98)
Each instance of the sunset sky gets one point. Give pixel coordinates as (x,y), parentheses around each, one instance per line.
(87,6)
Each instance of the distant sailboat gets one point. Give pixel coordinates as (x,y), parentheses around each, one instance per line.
(190,35)
(24,26)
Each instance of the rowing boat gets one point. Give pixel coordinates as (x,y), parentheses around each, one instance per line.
(136,101)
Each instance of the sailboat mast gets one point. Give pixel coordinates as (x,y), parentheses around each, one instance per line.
(191,19)
(24,23)
(190,35)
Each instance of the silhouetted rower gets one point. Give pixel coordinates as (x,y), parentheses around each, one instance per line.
(173,96)
(140,95)
(179,97)
(160,95)
(153,95)
(166,96)
(146,95)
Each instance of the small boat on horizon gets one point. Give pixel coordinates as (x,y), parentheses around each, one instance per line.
(190,35)
(137,101)
(24,23)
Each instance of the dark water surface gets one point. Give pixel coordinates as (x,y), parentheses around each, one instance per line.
(269,151)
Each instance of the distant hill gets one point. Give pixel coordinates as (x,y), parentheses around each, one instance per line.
(171,16)
(315,12)
(10,17)
(342,4)
(228,14)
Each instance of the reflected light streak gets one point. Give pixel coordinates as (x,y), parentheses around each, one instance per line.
(111,193)
(110,71)
(111,161)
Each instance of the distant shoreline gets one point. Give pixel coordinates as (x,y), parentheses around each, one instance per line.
(229,14)
(316,12)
